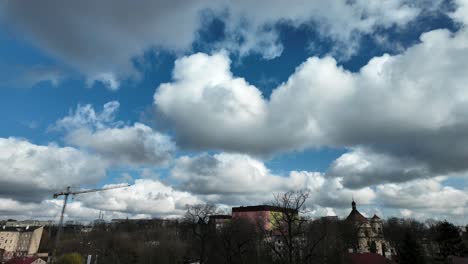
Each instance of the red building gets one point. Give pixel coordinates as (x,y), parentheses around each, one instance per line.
(261,215)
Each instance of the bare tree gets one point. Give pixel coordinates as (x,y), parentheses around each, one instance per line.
(286,235)
(238,241)
(197,218)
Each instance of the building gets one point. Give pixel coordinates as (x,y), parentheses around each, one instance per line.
(20,241)
(263,216)
(25,223)
(370,234)
(219,221)
(21,260)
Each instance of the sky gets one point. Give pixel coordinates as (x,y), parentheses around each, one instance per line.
(230,102)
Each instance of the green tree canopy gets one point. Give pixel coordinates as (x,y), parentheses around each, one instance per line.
(71,258)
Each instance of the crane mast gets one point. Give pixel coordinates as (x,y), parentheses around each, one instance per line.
(67,193)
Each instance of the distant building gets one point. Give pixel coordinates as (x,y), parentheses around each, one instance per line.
(260,215)
(99,222)
(219,221)
(20,241)
(332,218)
(21,260)
(369,234)
(26,223)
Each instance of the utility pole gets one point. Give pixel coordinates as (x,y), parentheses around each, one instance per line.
(67,193)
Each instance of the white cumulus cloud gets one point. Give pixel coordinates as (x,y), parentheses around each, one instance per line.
(237,179)
(407,109)
(32,172)
(100,39)
(99,132)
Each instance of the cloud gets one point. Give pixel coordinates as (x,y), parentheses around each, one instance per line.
(363,167)
(407,110)
(50,210)
(425,198)
(30,172)
(145,196)
(86,116)
(237,179)
(144,199)
(460,13)
(26,76)
(100,39)
(342,21)
(100,133)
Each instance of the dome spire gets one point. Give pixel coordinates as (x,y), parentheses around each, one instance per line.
(353,204)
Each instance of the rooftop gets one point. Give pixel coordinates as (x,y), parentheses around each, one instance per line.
(355,215)
(18,228)
(258,208)
(220,216)
(22,260)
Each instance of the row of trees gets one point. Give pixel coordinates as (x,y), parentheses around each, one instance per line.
(290,239)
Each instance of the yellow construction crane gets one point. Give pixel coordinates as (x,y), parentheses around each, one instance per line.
(67,193)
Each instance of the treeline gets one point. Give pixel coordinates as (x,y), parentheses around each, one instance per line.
(289,239)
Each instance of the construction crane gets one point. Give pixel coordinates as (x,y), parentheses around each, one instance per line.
(67,193)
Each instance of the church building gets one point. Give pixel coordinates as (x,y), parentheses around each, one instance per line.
(370,234)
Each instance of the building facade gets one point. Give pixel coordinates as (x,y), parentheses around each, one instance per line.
(219,221)
(20,241)
(263,216)
(21,260)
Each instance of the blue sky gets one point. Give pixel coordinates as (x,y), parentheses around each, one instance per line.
(194,95)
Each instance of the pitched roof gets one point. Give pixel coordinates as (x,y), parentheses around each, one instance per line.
(366,258)
(375,217)
(356,216)
(18,228)
(21,260)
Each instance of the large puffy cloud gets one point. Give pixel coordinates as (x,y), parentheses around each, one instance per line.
(45,210)
(50,210)
(237,179)
(145,196)
(425,198)
(100,39)
(407,110)
(362,167)
(30,172)
(144,199)
(119,143)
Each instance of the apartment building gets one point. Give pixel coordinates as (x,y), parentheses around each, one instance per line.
(20,241)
